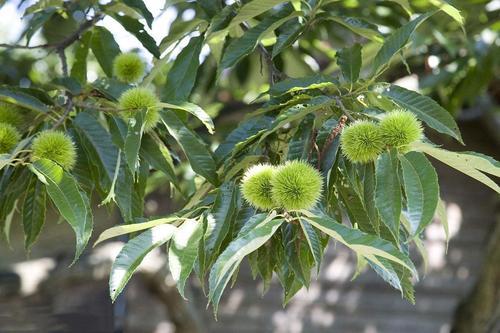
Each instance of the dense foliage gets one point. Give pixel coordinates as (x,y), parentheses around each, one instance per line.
(324,138)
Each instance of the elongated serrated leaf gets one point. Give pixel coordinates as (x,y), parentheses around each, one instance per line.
(179,29)
(142,9)
(183,251)
(182,75)
(23,99)
(101,141)
(471,165)
(405,4)
(138,30)
(219,219)
(453,12)
(79,68)
(349,61)
(313,241)
(369,246)
(300,144)
(70,201)
(421,189)
(199,156)
(232,256)
(133,139)
(315,81)
(388,191)
(356,25)
(252,9)
(33,211)
(243,46)
(157,155)
(442,216)
(37,21)
(355,209)
(196,111)
(297,112)
(395,42)
(425,108)
(105,49)
(244,130)
(288,33)
(132,255)
(124,229)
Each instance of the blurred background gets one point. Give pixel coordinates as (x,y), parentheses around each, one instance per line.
(459,292)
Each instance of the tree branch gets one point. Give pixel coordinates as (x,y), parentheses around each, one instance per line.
(342,107)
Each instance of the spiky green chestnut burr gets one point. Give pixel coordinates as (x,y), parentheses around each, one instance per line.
(361,142)
(137,99)
(296,185)
(399,129)
(256,186)
(9,137)
(55,146)
(128,67)
(11,114)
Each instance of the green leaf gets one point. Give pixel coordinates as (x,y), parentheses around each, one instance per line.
(229,260)
(178,30)
(33,211)
(453,12)
(132,143)
(421,189)
(182,75)
(371,247)
(197,153)
(388,191)
(405,4)
(101,142)
(132,255)
(219,219)
(183,251)
(79,68)
(138,30)
(139,6)
(395,42)
(349,61)
(300,144)
(252,9)
(196,111)
(288,33)
(425,108)
(154,151)
(356,25)
(316,81)
(37,21)
(124,229)
(70,201)
(355,208)
(244,130)
(105,48)
(298,112)
(243,46)
(443,218)
(469,164)
(17,97)
(313,241)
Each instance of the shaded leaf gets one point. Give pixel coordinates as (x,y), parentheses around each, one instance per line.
(421,189)
(395,42)
(70,201)
(182,75)
(33,211)
(388,191)
(349,61)
(197,153)
(105,48)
